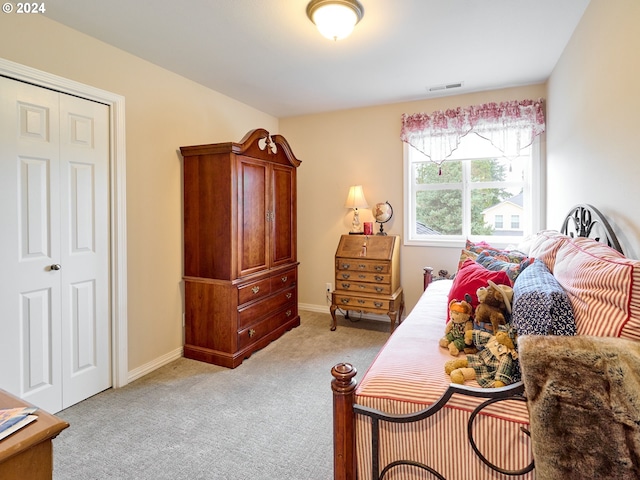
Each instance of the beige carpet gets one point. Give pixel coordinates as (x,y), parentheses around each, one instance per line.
(270,418)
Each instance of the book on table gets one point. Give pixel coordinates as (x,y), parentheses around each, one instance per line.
(13,419)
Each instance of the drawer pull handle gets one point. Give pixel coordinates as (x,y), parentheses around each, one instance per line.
(255,290)
(362,287)
(345,300)
(288,313)
(252,332)
(284,279)
(360,301)
(362,266)
(288,295)
(346,285)
(362,276)
(379,278)
(378,304)
(379,268)
(346,275)
(346,266)
(379,289)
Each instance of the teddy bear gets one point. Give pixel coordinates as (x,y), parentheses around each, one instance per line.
(494,303)
(454,338)
(494,366)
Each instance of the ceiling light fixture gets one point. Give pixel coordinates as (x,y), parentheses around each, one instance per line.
(335,19)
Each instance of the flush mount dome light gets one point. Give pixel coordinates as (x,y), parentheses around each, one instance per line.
(335,19)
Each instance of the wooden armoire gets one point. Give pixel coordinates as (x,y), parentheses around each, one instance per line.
(240,258)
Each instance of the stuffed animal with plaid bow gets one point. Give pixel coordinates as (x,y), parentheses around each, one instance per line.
(495,365)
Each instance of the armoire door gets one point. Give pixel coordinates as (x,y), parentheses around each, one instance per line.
(254,215)
(283,224)
(55,346)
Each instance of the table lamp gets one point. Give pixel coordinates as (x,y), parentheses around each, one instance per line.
(356,200)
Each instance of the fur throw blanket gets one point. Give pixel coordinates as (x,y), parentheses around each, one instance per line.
(583,396)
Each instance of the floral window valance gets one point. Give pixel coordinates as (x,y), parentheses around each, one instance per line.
(509,126)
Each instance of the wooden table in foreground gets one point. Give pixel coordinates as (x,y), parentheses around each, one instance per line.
(28,453)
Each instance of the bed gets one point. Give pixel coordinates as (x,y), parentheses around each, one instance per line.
(404,420)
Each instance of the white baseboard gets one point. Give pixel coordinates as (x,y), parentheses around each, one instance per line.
(309,307)
(155,364)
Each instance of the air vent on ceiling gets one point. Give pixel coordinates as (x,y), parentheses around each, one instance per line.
(446,87)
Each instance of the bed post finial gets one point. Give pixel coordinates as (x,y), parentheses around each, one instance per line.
(343,386)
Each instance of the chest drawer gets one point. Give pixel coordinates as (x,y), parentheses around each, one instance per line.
(381,288)
(368,277)
(356,302)
(357,265)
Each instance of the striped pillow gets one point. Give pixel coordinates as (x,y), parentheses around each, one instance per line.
(603,288)
(545,245)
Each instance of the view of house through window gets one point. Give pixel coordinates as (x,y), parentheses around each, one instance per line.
(475,194)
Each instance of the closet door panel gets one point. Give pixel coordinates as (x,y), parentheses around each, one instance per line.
(84,200)
(30,286)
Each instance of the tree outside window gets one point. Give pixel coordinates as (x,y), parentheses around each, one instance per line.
(469,196)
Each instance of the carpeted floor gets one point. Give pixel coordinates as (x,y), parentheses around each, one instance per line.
(270,418)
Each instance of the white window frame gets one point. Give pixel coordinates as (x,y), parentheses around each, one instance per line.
(534,194)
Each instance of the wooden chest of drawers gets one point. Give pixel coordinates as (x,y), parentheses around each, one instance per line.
(368,277)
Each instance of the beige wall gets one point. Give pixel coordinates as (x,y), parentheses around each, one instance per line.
(163,112)
(362,146)
(593,119)
(592,106)
(592,155)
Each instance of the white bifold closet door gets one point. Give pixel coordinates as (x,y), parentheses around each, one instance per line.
(55,335)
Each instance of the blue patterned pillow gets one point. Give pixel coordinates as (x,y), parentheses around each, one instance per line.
(540,304)
(512,265)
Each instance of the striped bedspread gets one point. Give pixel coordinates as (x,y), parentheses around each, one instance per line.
(407,376)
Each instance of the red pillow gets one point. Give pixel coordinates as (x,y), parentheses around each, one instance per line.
(470,278)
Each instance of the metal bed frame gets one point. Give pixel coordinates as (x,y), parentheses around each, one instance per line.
(583,220)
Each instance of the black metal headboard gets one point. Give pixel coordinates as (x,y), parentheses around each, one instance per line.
(585,220)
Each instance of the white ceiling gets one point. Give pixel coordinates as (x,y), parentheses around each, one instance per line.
(268,54)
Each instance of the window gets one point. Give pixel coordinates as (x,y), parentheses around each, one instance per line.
(470,194)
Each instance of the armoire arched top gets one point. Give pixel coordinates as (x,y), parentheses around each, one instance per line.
(257,143)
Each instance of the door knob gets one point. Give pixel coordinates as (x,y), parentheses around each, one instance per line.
(56,266)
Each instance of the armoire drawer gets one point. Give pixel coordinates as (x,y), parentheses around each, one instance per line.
(255,332)
(254,291)
(284,280)
(252,313)
(284,316)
